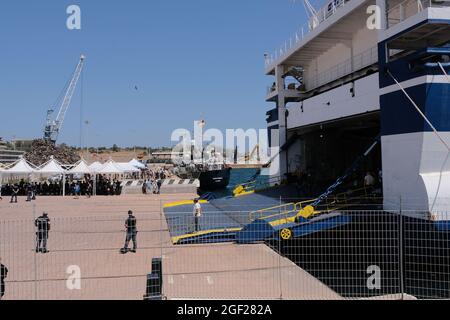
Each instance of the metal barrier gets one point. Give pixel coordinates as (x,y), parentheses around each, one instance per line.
(348,254)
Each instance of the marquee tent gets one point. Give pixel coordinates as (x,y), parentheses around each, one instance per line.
(110,167)
(137,164)
(52,167)
(81,167)
(96,166)
(127,167)
(21,167)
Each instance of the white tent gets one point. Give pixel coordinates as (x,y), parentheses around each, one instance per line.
(127,167)
(52,167)
(137,164)
(96,166)
(80,168)
(110,167)
(21,167)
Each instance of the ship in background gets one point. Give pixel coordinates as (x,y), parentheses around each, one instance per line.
(212,174)
(207,165)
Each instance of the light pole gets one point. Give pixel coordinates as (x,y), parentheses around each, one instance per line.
(86,138)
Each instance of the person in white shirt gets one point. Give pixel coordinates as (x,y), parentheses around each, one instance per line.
(369,180)
(197,214)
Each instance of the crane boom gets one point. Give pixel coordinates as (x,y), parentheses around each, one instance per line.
(52,128)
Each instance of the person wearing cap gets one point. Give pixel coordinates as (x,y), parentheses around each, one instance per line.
(131,229)
(3,275)
(42,224)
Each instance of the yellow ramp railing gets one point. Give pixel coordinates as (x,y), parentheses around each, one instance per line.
(304,208)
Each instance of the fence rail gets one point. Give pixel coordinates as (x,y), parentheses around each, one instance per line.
(368,254)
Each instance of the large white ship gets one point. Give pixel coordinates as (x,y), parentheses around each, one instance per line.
(358,70)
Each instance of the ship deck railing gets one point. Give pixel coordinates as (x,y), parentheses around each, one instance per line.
(323,14)
(347,67)
(339,201)
(409,8)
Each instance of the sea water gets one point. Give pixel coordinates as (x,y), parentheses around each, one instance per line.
(238,177)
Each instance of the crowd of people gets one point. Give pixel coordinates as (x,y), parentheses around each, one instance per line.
(105,186)
(153,180)
(76,188)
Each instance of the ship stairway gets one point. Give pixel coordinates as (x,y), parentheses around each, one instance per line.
(296,73)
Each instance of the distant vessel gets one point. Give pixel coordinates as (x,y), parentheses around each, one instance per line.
(211,176)
(211,169)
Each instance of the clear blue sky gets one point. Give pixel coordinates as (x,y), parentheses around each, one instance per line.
(188,58)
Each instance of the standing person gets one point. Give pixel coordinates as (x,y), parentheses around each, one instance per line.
(89,189)
(118,188)
(158,185)
(77,190)
(15,192)
(42,224)
(29,189)
(144,187)
(3,275)
(34,189)
(131,229)
(197,214)
(369,180)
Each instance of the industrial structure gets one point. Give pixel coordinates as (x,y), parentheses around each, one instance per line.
(53,127)
(360,69)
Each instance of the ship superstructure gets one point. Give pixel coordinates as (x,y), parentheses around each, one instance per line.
(357,70)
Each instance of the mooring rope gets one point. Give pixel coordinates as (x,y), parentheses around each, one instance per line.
(420,111)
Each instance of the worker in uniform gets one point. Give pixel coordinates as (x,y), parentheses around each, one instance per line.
(15,192)
(42,224)
(89,189)
(34,189)
(158,186)
(29,189)
(3,275)
(131,229)
(197,214)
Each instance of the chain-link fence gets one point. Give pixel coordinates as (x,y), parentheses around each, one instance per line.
(224,253)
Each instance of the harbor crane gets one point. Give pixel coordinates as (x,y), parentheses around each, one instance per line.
(53,127)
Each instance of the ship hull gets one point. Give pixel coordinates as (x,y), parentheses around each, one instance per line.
(215,179)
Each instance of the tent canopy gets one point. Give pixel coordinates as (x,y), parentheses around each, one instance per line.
(51,167)
(20,167)
(127,167)
(80,168)
(110,167)
(95,167)
(137,164)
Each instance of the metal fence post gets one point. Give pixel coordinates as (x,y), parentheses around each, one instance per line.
(279,259)
(35,258)
(161,215)
(402,290)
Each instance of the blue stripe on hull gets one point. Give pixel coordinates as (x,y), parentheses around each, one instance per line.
(398,115)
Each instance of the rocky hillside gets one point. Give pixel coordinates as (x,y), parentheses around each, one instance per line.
(43,150)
